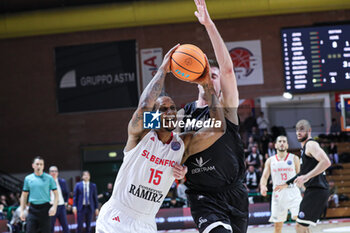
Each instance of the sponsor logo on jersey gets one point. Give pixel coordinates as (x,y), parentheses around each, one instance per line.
(201,221)
(151,120)
(157,160)
(116,219)
(152,138)
(289,162)
(200,166)
(175,146)
(301,214)
(146,193)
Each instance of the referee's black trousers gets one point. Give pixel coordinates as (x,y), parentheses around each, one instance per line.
(38,219)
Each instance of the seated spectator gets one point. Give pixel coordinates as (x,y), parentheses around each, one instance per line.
(333,198)
(16,221)
(70,203)
(175,203)
(255,134)
(265,139)
(2,214)
(271,151)
(335,127)
(13,201)
(251,143)
(333,153)
(255,159)
(252,179)
(181,188)
(3,200)
(106,195)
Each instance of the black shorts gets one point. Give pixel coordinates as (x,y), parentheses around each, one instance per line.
(313,205)
(228,209)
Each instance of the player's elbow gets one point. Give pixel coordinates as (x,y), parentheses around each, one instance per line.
(145,105)
(328,163)
(227,70)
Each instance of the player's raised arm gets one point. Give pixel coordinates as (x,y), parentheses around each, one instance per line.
(205,137)
(230,96)
(147,101)
(265,177)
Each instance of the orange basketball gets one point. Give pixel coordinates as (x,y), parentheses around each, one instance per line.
(187,62)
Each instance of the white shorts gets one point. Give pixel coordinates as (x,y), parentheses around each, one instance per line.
(284,200)
(116,218)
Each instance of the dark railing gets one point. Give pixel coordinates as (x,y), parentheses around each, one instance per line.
(10,182)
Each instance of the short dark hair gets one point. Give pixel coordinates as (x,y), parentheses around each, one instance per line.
(38,157)
(213,62)
(86,171)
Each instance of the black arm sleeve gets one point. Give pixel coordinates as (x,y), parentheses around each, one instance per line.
(292,179)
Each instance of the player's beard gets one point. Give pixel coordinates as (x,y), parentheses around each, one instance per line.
(303,139)
(281,150)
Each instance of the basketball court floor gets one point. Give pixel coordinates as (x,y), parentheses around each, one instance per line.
(326,226)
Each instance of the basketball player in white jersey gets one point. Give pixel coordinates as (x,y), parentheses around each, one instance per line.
(282,167)
(146,174)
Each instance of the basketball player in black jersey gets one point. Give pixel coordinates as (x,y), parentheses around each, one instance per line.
(314,162)
(217,196)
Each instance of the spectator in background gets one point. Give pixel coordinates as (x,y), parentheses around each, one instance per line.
(36,190)
(181,188)
(3,200)
(2,215)
(333,153)
(70,203)
(16,222)
(335,127)
(271,151)
(265,139)
(255,159)
(174,203)
(85,202)
(263,123)
(252,179)
(13,201)
(106,195)
(62,201)
(333,198)
(250,145)
(255,134)
(249,123)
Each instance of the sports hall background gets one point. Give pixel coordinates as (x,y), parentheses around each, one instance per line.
(30,30)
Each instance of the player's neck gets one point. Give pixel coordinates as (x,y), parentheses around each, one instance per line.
(303,142)
(164,136)
(282,155)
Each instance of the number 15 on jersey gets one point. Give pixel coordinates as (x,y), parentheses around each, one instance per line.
(155,176)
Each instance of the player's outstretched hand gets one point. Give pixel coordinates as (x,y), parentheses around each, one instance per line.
(179,171)
(205,77)
(165,66)
(202,13)
(280,187)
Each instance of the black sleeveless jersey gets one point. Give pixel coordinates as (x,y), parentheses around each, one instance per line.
(309,163)
(219,167)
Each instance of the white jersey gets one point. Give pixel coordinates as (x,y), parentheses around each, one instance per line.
(146,175)
(282,170)
(286,199)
